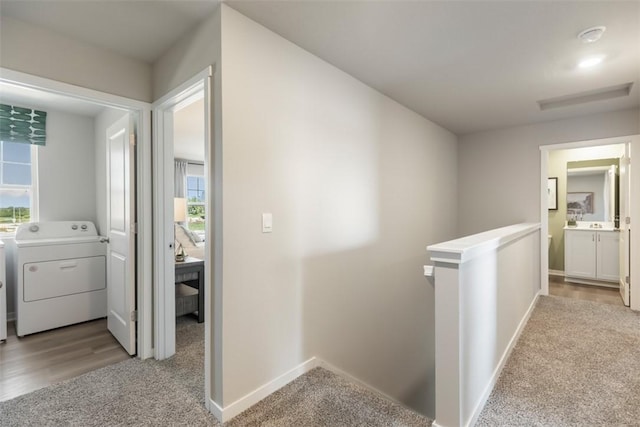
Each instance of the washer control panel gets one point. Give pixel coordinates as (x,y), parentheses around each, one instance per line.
(55,230)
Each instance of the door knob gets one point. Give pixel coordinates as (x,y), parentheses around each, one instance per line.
(104,240)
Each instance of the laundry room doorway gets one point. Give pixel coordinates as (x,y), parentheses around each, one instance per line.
(69,187)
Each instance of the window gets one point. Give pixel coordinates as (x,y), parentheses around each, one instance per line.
(18,189)
(195,202)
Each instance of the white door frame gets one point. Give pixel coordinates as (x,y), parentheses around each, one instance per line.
(142,111)
(203,82)
(163,191)
(544,212)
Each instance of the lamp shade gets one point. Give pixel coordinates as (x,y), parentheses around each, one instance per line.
(179,209)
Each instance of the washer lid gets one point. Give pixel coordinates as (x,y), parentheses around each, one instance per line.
(57,241)
(55,230)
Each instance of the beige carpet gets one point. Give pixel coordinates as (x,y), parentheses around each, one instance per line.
(132,392)
(577,363)
(171,392)
(321,398)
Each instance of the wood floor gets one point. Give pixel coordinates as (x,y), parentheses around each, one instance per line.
(42,359)
(45,358)
(558,287)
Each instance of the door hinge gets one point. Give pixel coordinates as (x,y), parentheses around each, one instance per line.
(626,280)
(134,316)
(627,220)
(134,228)
(132,139)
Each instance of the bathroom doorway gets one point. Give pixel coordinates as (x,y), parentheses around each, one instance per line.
(586,247)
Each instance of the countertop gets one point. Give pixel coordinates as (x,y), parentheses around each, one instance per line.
(588,228)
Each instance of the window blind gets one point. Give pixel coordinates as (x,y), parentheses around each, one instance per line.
(22,125)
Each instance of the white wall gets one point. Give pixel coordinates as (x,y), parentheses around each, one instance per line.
(102,122)
(499,171)
(66,178)
(41,52)
(66,175)
(193,53)
(358,185)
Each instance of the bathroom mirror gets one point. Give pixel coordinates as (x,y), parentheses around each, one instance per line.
(591,191)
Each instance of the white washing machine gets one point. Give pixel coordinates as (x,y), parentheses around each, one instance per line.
(3,295)
(61,269)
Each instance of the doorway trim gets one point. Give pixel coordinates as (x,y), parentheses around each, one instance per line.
(208,80)
(634,140)
(143,186)
(163,191)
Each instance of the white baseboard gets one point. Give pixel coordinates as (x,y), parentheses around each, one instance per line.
(11,316)
(250,399)
(224,414)
(592,282)
(559,273)
(329,367)
(503,360)
(215,409)
(228,412)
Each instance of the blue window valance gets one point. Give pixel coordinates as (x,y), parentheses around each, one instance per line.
(22,125)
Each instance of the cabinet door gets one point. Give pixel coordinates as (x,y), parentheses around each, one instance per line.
(580,254)
(608,265)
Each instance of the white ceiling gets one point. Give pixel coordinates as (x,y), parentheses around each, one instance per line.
(467,65)
(46,101)
(188,132)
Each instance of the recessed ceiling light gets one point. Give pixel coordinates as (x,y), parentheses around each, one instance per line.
(590,62)
(592,34)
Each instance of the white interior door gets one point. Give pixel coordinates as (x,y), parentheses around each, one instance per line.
(610,210)
(120,221)
(634,229)
(625,197)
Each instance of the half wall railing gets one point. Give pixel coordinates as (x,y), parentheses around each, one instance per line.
(486,286)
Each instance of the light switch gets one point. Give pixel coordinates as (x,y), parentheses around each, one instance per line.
(267,223)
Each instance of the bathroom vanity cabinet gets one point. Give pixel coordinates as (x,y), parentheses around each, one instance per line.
(591,254)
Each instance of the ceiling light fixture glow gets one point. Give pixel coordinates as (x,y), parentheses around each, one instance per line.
(590,62)
(592,34)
